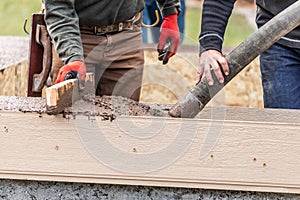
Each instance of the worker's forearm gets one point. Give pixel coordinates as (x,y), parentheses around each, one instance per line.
(169,7)
(214,21)
(63,27)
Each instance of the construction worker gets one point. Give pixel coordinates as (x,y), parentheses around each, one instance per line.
(105,37)
(149,17)
(280,64)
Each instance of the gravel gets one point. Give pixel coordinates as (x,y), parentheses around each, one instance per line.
(13,50)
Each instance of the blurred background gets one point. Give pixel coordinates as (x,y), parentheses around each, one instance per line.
(13,14)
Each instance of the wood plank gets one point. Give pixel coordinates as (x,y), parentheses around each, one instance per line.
(60,96)
(13,79)
(232,154)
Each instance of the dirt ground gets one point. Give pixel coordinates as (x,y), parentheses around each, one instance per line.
(166,84)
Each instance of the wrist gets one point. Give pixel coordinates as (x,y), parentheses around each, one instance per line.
(75,58)
(170,11)
(76,62)
(172,17)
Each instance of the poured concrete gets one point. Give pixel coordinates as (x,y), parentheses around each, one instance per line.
(37,190)
(13,50)
(99,106)
(23,104)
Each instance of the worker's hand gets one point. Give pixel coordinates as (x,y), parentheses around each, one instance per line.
(169,38)
(76,67)
(212,60)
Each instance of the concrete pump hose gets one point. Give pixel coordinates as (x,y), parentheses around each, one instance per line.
(195,100)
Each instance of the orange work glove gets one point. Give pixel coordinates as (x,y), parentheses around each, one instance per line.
(169,39)
(75,68)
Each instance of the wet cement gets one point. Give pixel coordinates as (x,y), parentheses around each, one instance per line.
(116,106)
(105,106)
(37,190)
(23,104)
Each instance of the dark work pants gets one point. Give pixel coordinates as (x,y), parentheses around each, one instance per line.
(280,68)
(117,61)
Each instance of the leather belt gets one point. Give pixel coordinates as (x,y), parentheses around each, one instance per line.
(99,30)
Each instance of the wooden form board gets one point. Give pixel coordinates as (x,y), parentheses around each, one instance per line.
(13,79)
(249,149)
(61,95)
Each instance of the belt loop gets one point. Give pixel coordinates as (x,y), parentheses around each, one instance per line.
(109,44)
(120,26)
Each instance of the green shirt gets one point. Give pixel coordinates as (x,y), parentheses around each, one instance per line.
(63,18)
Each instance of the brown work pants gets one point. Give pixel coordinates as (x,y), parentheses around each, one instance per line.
(116,60)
